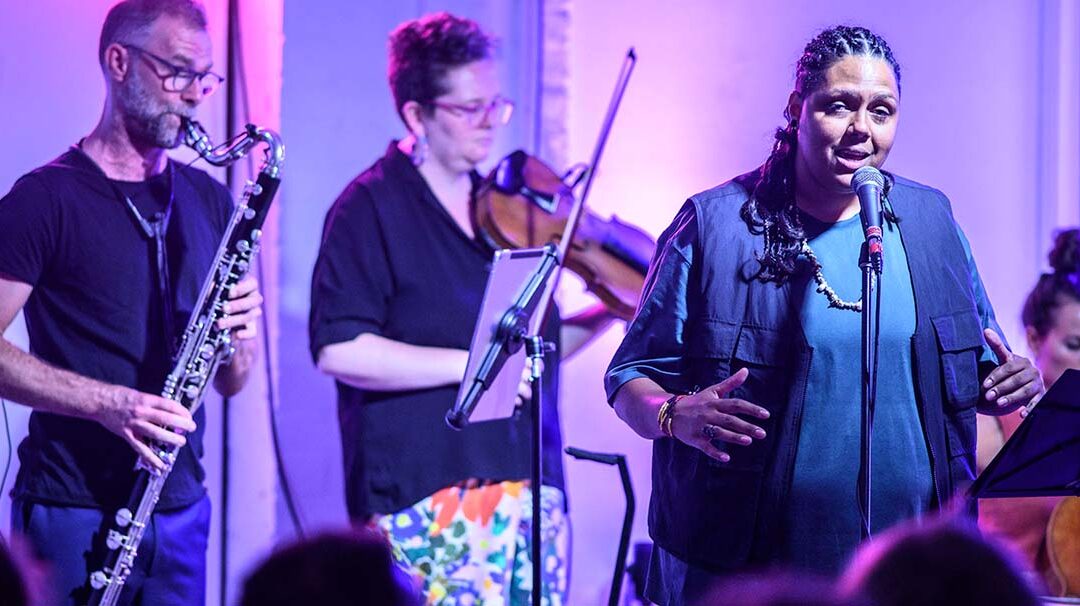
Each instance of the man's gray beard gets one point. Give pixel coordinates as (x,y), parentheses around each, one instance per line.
(147,119)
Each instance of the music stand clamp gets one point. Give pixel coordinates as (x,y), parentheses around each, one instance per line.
(1042,458)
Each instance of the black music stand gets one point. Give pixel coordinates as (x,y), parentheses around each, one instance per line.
(1042,459)
(517,282)
(518,279)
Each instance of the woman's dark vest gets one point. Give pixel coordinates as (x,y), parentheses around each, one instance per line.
(726,516)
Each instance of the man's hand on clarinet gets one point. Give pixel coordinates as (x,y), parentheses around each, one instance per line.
(243,309)
(708,419)
(140,418)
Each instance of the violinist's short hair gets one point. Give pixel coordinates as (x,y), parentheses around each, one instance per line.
(129,21)
(423,50)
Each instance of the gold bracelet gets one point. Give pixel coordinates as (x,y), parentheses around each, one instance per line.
(662,414)
(667,414)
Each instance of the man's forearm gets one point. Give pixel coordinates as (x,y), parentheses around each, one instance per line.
(27,380)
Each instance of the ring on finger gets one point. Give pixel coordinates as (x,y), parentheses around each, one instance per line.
(711,432)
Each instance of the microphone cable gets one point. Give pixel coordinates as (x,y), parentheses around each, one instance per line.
(7,462)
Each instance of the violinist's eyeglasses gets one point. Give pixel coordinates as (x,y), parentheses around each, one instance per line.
(499,110)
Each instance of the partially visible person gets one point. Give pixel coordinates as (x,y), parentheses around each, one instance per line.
(938,562)
(14,586)
(333,569)
(1052,319)
(780,588)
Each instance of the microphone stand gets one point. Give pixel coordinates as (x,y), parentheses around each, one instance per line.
(871,265)
(869,184)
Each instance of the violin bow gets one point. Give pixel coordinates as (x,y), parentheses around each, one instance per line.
(578,207)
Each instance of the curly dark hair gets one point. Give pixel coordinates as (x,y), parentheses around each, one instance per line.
(1060,285)
(771,210)
(423,50)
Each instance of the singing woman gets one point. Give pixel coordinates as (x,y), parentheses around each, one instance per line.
(742,364)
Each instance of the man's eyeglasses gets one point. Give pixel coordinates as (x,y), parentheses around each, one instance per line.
(499,110)
(177,78)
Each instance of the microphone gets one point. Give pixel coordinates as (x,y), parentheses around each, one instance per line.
(868,183)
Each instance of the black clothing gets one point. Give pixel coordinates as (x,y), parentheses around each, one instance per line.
(394,263)
(96,310)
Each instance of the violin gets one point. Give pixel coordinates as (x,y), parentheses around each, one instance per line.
(1063,545)
(523,203)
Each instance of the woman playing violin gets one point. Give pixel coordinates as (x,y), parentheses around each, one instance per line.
(395,296)
(742,362)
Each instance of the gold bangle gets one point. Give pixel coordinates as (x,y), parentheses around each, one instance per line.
(667,414)
(662,413)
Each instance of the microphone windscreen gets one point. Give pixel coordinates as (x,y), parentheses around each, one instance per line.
(867,175)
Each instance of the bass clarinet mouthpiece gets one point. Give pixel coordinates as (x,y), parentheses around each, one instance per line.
(195,137)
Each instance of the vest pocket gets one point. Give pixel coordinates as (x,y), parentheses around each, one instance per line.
(718,349)
(709,347)
(960,429)
(713,339)
(960,341)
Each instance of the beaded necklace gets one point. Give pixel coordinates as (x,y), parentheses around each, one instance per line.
(823,284)
(819,276)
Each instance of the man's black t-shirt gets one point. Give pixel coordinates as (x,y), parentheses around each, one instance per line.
(95,309)
(394,263)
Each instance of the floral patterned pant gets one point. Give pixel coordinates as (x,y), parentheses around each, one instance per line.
(471,546)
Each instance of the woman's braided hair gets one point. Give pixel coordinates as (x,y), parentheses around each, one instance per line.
(771,210)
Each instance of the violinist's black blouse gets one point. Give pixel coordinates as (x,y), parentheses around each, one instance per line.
(394,263)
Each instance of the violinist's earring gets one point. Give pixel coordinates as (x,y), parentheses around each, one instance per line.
(419,150)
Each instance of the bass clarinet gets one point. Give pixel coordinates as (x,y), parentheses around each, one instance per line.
(203,347)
